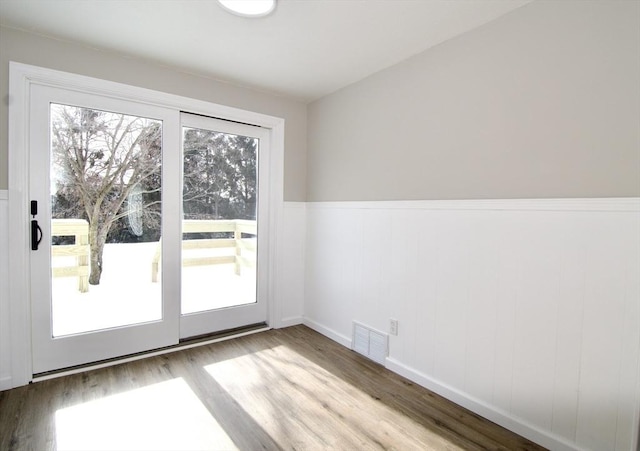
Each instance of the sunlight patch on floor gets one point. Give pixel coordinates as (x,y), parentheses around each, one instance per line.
(281,390)
(164,416)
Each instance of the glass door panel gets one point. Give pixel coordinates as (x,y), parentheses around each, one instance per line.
(105,181)
(221,236)
(98,176)
(219,230)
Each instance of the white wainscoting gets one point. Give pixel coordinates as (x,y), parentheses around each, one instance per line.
(525,311)
(5,333)
(291,256)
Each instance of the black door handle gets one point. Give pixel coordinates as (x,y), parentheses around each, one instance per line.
(36,235)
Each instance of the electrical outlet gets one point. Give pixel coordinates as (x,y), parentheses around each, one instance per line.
(393,326)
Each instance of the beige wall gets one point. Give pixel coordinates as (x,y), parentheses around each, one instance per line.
(543,102)
(39,51)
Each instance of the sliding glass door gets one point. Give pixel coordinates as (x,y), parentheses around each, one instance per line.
(147,226)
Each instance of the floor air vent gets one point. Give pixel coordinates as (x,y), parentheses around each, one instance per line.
(370,343)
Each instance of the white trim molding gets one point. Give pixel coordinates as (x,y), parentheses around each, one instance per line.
(5,325)
(291,264)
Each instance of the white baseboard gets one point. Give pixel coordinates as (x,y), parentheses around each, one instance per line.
(477,406)
(329,333)
(481,408)
(291,321)
(6,383)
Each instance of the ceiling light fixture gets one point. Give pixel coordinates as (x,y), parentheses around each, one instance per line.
(249,8)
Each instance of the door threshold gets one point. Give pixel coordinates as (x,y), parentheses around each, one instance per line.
(231,333)
(183,344)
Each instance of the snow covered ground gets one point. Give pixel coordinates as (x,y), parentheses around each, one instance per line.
(127,296)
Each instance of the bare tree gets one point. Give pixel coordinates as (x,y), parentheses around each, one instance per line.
(99,159)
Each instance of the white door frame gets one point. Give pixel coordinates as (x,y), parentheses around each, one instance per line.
(21,77)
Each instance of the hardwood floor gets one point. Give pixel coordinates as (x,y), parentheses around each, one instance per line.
(282,389)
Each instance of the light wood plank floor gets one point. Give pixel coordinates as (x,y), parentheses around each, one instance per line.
(283,389)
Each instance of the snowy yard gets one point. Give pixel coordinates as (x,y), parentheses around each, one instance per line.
(127,296)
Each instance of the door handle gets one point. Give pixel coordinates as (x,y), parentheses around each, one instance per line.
(36,235)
